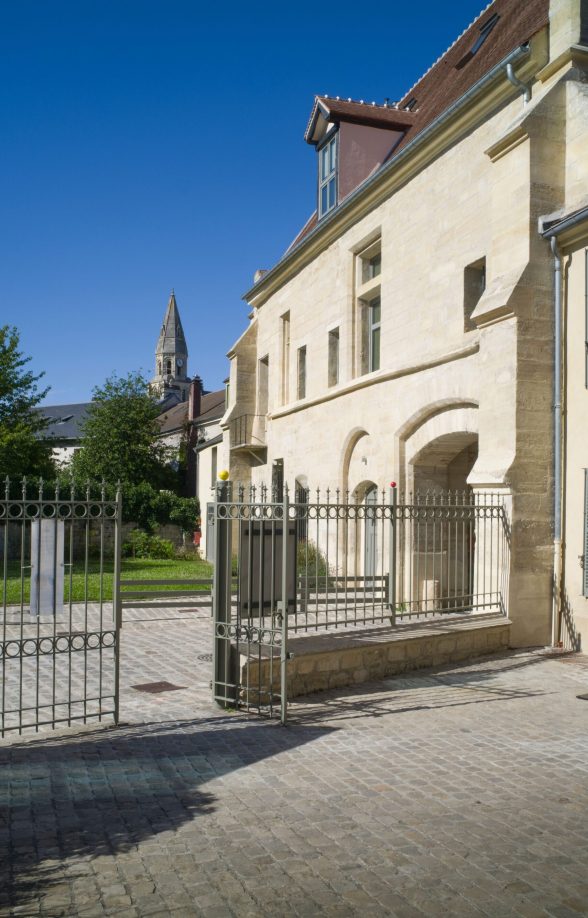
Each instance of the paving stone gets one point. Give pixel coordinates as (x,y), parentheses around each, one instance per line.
(461,791)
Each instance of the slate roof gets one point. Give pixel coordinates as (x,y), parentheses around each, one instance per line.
(447,79)
(171,337)
(64,420)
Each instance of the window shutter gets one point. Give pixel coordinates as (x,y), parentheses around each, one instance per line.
(585,571)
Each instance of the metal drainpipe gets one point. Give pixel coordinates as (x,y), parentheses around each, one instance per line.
(557,428)
(525,89)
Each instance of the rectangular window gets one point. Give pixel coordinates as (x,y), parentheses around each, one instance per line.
(301,389)
(374,313)
(371,267)
(328,177)
(474,284)
(367,319)
(333,357)
(285,357)
(262,386)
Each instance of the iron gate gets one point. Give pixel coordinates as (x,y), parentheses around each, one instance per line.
(325,562)
(60,604)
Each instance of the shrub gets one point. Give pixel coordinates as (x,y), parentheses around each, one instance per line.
(310,560)
(143,545)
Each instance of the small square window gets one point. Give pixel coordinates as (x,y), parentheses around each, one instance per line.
(371,267)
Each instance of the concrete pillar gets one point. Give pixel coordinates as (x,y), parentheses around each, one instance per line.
(47,568)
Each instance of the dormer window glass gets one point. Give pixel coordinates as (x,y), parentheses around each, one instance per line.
(328,176)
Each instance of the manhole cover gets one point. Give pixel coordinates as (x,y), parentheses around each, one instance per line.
(205,657)
(155,687)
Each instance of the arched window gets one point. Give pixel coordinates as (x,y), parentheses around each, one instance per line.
(168,367)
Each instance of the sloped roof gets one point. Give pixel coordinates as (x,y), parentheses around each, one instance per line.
(171,337)
(64,420)
(451,75)
(368,113)
(457,69)
(212,407)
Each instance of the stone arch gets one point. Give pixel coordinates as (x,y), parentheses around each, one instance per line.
(351,441)
(355,534)
(448,418)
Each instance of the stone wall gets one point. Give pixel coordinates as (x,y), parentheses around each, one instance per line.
(333,661)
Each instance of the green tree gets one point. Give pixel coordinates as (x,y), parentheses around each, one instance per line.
(23,449)
(121,437)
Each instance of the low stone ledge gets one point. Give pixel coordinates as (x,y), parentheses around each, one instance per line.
(337,659)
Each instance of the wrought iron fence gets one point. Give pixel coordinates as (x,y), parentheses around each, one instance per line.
(60,606)
(346,563)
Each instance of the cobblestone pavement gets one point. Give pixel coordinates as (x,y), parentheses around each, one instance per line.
(458,791)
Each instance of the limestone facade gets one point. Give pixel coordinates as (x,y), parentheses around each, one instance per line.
(461,391)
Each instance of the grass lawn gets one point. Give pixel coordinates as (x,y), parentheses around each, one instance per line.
(132,569)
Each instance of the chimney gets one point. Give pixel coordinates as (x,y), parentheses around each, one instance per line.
(194,398)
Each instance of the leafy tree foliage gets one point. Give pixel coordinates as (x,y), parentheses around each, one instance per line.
(121,443)
(23,451)
(121,436)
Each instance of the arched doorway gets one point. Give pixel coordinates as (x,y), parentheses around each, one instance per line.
(441,549)
(444,463)
(370,548)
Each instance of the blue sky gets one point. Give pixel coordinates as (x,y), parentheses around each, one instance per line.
(151,144)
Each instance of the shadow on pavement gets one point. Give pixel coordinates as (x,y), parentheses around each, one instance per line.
(104,791)
(451,685)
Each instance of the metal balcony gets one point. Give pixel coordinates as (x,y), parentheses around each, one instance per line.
(247,432)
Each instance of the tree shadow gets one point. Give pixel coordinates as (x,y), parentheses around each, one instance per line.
(450,685)
(105,790)
(572,639)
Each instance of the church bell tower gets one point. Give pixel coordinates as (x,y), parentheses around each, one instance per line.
(171,356)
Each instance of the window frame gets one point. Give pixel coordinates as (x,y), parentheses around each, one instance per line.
(373,327)
(301,372)
(331,143)
(333,356)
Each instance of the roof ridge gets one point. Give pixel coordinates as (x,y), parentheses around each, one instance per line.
(447,50)
(372,104)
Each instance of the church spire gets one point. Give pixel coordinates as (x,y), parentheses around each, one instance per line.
(171,354)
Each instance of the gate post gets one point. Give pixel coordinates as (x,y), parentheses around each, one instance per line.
(392,555)
(284,642)
(223,690)
(116,599)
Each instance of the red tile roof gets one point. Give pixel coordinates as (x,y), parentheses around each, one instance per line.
(449,77)
(368,113)
(453,74)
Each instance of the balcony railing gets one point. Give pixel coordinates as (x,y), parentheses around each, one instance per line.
(248,431)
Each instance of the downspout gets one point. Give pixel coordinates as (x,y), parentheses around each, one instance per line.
(518,84)
(557,432)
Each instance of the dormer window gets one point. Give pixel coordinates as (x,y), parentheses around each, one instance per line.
(328,176)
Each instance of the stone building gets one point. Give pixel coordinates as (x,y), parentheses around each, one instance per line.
(407,333)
